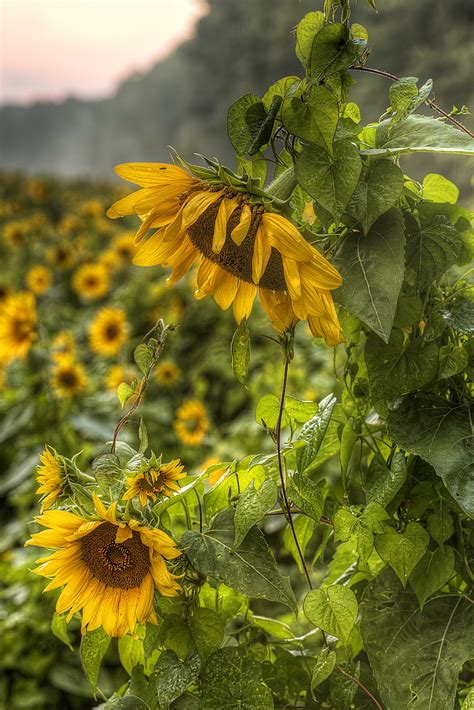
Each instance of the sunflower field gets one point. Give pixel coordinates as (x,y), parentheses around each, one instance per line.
(236,413)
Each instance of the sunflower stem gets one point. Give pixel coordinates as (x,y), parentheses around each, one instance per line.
(288,344)
(283,186)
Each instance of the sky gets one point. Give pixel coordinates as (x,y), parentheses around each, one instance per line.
(50,49)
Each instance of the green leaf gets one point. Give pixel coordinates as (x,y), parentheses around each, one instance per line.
(431,248)
(329,179)
(299,411)
(372,267)
(251,569)
(348,526)
(409,310)
(331,440)
(304,529)
(244,121)
(441,434)
(274,627)
(460,315)
(252,506)
(143,357)
(432,572)
(240,351)
(324,666)
(307,494)
(267,411)
(287,87)
(202,633)
(231,680)
(437,188)
(417,664)
(124,392)
(419,134)
(226,601)
(440,524)
(453,359)
(396,369)
(377,191)
(333,51)
(333,610)
(315,119)
(172,676)
(404,550)
(405,97)
(59,629)
(313,433)
(383,483)
(131,652)
(94,645)
(128,702)
(306,30)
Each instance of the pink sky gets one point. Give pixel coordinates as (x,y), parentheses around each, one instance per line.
(55,48)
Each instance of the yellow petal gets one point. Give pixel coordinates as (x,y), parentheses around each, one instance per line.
(127,204)
(261,254)
(286,239)
(154,251)
(225,289)
(123,534)
(320,273)
(292,277)
(152,174)
(239,232)
(196,204)
(243,300)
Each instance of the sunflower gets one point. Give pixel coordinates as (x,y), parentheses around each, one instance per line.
(38,279)
(108,332)
(157,479)
(60,256)
(124,248)
(118,374)
(68,377)
(167,373)
(5,293)
(15,233)
(191,422)
(91,281)
(63,345)
(50,475)
(110,260)
(109,568)
(240,246)
(17,326)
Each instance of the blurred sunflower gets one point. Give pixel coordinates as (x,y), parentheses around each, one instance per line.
(63,345)
(191,423)
(109,568)
(157,479)
(242,248)
(38,279)
(5,292)
(15,233)
(92,208)
(118,374)
(110,260)
(51,477)
(91,281)
(167,373)
(17,326)
(68,378)
(124,248)
(60,256)
(108,332)
(70,224)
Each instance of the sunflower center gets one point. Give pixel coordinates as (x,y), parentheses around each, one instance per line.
(21,329)
(111,331)
(67,378)
(232,258)
(124,565)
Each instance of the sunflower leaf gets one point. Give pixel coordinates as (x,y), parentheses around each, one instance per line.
(94,645)
(172,676)
(231,679)
(251,569)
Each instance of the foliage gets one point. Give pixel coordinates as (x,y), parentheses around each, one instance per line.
(354,510)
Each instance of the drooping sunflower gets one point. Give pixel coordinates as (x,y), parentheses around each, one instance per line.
(91,281)
(157,479)
(167,373)
(51,477)
(68,377)
(17,326)
(191,423)
(109,567)
(108,332)
(38,279)
(240,246)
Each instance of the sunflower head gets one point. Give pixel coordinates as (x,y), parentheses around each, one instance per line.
(109,331)
(167,373)
(51,477)
(109,567)
(60,256)
(91,281)
(191,423)
(154,478)
(68,377)
(63,345)
(241,245)
(17,326)
(38,279)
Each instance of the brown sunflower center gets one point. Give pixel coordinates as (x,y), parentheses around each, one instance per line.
(21,329)
(124,565)
(112,331)
(236,259)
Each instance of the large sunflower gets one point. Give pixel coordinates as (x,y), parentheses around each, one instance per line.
(240,247)
(17,326)
(109,568)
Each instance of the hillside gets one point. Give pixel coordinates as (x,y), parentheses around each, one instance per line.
(183,100)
